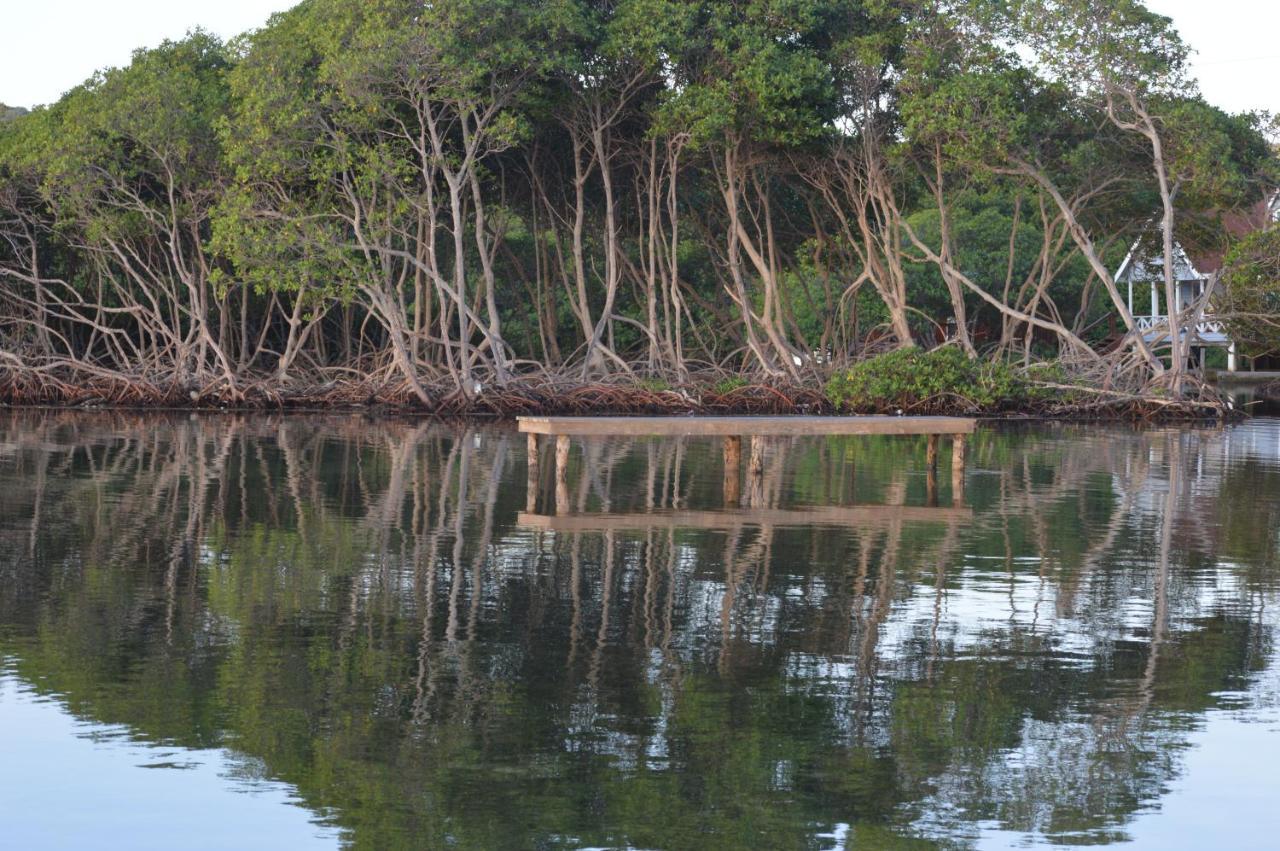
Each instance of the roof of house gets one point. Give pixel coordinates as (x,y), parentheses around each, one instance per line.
(1202,263)
(1239,224)
(1142,270)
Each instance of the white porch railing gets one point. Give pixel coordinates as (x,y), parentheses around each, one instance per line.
(1208,329)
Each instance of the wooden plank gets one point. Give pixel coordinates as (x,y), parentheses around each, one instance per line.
(732,426)
(852,516)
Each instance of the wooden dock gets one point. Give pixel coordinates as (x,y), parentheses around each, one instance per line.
(733,429)
(743,426)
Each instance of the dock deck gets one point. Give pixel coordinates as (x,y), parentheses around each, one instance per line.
(733,430)
(770,426)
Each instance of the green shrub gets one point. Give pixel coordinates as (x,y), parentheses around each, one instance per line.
(1039,374)
(653,385)
(730,384)
(1249,294)
(916,381)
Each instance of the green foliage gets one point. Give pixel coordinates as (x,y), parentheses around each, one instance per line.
(728,385)
(152,121)
(755,70)
(1099,48)
(473,182)
(1250,293)
(916,381)
(984,220)
(653,384)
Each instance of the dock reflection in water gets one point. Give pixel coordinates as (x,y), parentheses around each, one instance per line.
(435,644)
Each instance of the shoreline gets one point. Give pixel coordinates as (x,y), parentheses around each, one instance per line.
(609,399)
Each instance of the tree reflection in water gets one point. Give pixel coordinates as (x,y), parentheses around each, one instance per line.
(664,657)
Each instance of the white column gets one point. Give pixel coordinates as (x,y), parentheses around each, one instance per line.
(1232,365)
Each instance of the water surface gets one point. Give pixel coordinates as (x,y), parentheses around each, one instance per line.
(288,632)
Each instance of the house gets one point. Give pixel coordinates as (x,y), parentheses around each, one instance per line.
(1142,273)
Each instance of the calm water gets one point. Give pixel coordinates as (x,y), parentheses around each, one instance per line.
(276,633)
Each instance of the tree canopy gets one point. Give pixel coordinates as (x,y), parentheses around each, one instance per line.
(438,198)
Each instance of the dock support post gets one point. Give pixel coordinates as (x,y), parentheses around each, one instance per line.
(732,471)
(755,472)
(756,465)
(957,468)
(562,474)
(931,471)
(531,479)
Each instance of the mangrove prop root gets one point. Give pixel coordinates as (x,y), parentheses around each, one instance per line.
(545,393)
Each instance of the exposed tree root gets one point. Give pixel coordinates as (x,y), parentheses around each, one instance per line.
(547,393)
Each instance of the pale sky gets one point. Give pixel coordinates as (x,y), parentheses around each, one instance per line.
(1237,59)
(50,46)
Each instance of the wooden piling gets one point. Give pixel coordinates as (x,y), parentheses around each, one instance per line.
(957,468)
(755,466)
(562,474)
(931,470)
(732,471)
(531,477)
